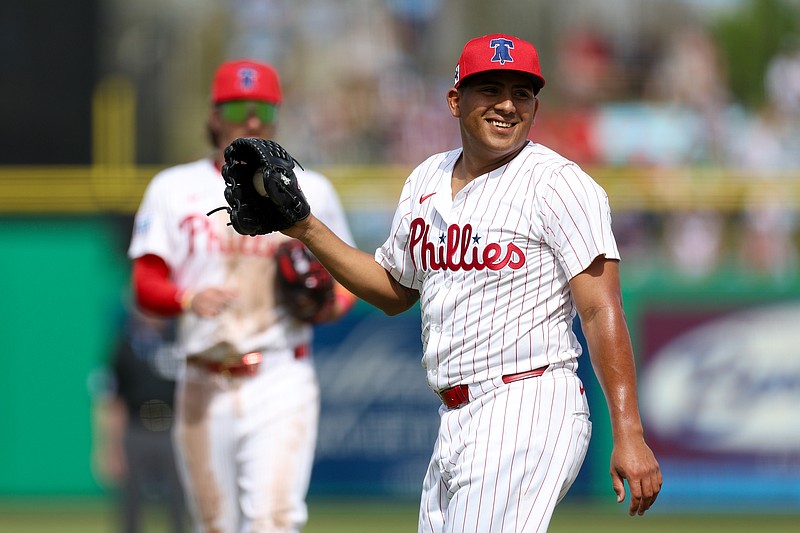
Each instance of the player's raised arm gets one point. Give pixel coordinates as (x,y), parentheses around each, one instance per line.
(599,302)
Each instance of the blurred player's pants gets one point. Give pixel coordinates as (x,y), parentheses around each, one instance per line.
(246,444)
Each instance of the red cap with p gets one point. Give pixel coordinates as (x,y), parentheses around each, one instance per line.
(498,52)
(245,79)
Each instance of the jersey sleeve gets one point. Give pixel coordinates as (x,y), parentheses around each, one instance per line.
(394,255)
(577,219)
(152,225)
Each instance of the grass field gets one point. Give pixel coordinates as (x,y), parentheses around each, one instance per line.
(350,516)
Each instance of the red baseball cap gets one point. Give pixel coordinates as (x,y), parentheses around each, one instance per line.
(498,52)
(244,79)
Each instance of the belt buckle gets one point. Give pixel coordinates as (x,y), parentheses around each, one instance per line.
(251,361)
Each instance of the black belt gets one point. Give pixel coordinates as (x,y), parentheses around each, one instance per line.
(458,396)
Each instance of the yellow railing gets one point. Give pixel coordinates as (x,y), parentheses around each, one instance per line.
(114,188)
(119,189)
(113,183)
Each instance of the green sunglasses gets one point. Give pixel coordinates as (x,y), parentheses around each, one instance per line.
(240,110)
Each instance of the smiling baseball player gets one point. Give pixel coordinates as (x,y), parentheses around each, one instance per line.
(502,242)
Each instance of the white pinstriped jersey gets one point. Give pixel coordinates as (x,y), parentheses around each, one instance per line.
(493,264)
(203,251)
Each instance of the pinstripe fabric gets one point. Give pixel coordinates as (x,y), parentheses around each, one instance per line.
(493,265)
(502,462)
(483,313)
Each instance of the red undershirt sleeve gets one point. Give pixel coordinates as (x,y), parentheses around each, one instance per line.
(153,287)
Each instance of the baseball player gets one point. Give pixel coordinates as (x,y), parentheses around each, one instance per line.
(247,403)
(503,241)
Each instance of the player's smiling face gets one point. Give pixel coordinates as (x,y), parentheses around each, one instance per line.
(496,112)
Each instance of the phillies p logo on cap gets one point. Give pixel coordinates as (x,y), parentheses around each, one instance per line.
(502,49)
(247,78)
(498,52)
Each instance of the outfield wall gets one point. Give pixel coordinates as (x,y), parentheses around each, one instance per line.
(719,364)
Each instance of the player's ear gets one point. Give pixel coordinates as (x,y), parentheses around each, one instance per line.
(213,127)
(454,102)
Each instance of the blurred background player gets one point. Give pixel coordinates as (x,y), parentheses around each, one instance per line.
(133,449)
(247,406)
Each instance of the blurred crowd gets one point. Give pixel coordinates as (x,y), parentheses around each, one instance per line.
(654,102)
(674,110)
(630,84)
(368,86)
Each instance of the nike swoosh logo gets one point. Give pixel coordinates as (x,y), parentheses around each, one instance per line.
(425,197)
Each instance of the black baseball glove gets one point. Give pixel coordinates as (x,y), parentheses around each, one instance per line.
(261,188)
(303,286)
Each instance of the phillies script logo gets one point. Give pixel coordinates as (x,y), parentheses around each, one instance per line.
(461,244)
(204,237)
